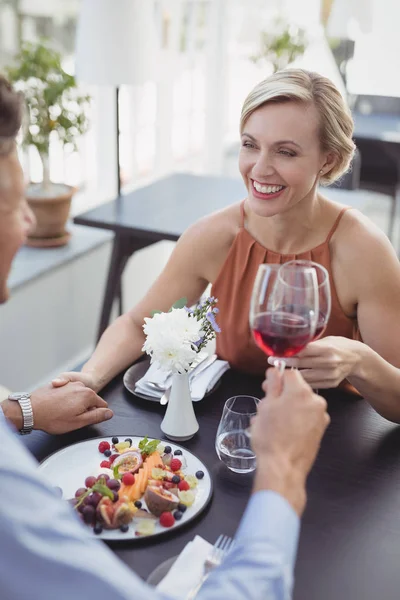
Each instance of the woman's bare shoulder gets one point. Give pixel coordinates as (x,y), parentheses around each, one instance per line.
(360,241)
(217,229)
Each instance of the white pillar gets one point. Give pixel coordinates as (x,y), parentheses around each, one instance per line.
(216,87)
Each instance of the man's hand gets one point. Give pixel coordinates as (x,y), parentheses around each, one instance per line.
(61,410)
(286,434)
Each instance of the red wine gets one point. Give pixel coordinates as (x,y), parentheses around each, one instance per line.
(320,325)
(281,334)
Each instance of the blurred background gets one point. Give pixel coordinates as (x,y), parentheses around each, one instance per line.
(191,64)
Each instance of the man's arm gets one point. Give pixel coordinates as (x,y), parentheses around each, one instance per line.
(61,559)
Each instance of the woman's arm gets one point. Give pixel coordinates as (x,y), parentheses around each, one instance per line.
(186,274)
(372,269)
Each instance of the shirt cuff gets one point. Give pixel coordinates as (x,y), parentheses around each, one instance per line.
(268,512)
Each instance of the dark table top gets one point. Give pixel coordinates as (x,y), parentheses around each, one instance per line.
(164,209)
(377,127)
(350,540)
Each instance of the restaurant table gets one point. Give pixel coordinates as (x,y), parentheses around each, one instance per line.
(163,210)
(350,539)
(160,211)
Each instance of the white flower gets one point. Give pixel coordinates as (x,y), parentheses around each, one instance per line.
(170,339)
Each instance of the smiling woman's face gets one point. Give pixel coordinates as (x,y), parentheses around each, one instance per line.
(280,156)
(16,218)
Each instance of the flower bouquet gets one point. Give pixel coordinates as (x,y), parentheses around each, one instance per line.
(174,340)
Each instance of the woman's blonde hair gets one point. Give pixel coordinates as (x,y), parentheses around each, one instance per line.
(336,123)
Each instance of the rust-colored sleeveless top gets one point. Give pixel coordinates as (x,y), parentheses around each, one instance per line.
(233,288)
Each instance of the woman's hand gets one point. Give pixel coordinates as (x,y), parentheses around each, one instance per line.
(327,362)
(87,378)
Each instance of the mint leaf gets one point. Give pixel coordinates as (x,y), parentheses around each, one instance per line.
(103,490)
(156,312)
(147,447)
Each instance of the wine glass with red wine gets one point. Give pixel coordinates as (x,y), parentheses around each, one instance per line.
(284,309)
(324,294)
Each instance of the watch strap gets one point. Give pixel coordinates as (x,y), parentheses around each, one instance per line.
(27,413)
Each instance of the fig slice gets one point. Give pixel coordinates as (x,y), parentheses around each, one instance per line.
(159,500)
(114,514)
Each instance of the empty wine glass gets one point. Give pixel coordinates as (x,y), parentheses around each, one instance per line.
(232,442)
(324,294)
(284,309)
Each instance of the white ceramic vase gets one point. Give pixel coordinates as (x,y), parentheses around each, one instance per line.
(180,423)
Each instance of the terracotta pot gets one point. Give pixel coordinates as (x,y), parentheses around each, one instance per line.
(51,211)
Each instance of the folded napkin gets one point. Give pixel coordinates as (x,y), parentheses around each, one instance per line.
(199,384)
(187,570)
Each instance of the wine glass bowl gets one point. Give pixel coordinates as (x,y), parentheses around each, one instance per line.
(284,309)
(324,294)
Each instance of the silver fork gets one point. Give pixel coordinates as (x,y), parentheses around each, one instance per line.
(214,559)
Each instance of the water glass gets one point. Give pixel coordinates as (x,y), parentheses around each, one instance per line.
(233,441)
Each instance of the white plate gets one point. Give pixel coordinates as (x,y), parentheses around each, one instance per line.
(69,467)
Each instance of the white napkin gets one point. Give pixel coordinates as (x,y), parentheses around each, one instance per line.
(200,384)
(187,570)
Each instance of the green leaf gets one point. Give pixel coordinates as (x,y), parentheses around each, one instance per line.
(180,303)
(103,490)
(147,447)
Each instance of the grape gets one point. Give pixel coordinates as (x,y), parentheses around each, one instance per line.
(115,496)
(90,481)
(113,484)
(103,476)
(95,498)
(79,492)
(88,513)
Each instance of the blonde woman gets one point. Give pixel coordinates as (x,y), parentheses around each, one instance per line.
(296,133)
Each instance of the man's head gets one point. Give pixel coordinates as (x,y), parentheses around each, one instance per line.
(16,219)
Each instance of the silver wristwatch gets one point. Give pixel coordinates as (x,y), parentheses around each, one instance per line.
(24,400)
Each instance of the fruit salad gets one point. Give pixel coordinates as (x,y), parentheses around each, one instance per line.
(136,487)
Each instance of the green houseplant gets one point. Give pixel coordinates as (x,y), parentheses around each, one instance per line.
(281,45)
(53,107)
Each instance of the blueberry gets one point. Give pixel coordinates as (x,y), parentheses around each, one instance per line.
(115,440)
(167,449)
(124,528)
(200,474)
(138,504)
(97,529)
(178,452)
(175,479)
(182,508)
(107,453)
(128,440)
(178,515)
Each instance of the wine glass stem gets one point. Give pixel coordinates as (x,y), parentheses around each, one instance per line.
(280,364)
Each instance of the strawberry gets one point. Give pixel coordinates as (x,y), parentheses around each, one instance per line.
(183,486)
(128,479)
(175,464)
(105,464)
(103,446)
(167,519)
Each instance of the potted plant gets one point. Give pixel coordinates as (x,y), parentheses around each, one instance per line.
(53,107)
(281,45)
